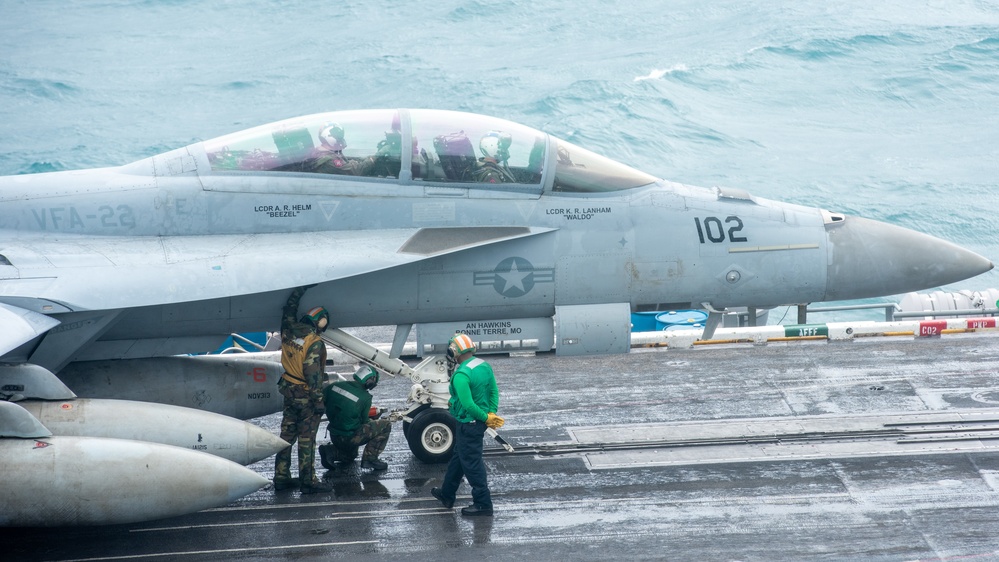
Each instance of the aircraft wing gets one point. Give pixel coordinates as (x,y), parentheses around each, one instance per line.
(21,326)
(102,273)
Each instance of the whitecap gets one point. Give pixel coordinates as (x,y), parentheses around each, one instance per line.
(658,73)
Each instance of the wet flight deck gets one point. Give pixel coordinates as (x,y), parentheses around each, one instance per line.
(874,449)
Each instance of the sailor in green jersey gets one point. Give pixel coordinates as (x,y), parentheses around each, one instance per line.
(348,409)
(473,403)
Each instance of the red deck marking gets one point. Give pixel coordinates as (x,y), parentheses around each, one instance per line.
(981,323)
(932,328)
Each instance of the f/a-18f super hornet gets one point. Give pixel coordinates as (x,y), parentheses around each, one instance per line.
(398,217)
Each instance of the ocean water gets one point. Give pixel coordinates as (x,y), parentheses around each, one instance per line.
(887,109)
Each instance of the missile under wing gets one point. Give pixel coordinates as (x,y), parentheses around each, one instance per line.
(71,480)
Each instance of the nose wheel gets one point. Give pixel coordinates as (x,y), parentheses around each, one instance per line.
(431,435)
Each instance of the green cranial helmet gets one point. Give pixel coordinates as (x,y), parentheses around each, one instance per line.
(318,317)
(367,377)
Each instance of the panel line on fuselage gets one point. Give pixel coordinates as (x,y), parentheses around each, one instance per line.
(774,248)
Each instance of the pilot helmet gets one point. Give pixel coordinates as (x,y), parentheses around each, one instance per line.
(366,377)
(318,318)
(496,144)
(332,137)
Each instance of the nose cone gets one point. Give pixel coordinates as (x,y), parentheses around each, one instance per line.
(261,444)
(870,259)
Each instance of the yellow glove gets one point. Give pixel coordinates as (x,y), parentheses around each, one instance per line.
(494,422)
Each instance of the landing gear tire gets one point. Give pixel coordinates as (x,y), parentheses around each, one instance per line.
(431,436)
(412,415)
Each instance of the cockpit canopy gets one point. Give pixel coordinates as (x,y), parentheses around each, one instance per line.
(420,145)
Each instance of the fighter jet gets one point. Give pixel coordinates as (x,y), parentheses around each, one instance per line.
(398,217)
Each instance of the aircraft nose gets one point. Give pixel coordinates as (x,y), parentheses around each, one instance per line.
(870,258)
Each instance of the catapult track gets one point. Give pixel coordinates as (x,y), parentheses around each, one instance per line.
(789,438)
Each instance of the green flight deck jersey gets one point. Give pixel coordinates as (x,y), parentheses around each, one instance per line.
(473,391)
(348,405)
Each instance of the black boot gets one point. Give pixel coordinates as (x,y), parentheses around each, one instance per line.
(316,487)
(374,464)
(439,494)
(327,456)
(474,510)
(284,482)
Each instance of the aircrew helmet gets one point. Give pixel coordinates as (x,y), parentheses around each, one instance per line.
(318,318)
(332,137)
(461,344)
(366,377)
(496,144)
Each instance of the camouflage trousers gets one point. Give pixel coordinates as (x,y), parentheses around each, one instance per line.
(300,423)
(374,435)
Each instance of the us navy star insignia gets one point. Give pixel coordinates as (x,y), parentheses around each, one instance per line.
(514,277)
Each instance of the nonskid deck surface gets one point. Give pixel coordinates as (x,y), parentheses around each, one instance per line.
(776,439)
(880,449)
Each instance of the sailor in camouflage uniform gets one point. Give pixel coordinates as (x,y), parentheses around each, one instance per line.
(348,409)
(303,356)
